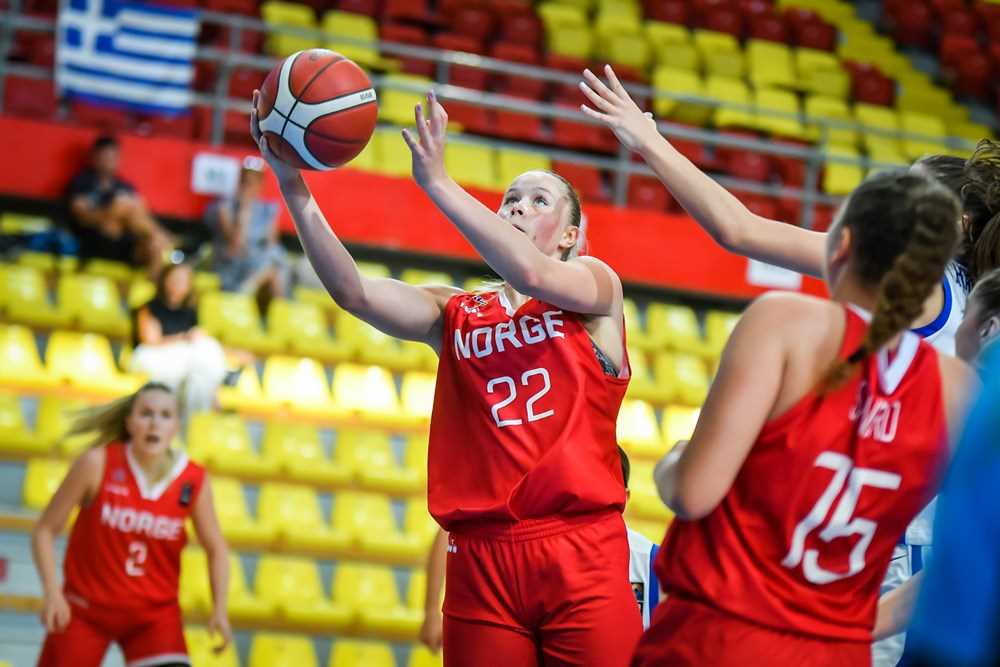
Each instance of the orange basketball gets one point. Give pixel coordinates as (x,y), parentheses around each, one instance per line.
(317,109)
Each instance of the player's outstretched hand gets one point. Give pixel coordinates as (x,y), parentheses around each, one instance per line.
(218,624)
(427,147)
(432,632)
(614,107)
(55,612)
(281,169)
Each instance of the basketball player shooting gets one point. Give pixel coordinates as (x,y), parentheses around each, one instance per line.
(523,468)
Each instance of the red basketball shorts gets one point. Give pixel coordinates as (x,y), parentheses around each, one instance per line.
(148,637)
(686,633)
(552,592)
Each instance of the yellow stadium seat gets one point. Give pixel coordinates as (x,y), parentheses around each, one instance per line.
(366,160)
(392,156)
(679,82)
(972,132)
(840,178)
(644,500)
(571,41)
(512,163)
(299,384)
(94,304)
(140,292)
(653,531)
(354,26)
(884,121)
(20,366)
(678,423)
(638,432)
(638,335)
(375,462)
(630,50)
(298,451)
(222,442)
(294,512)
(238,525)
(367,392)
(194,591)
(53,420)
(398,96)
(118,272)
(19,223)
(84,361)
(417,395)
(207,281)
(375,347)
(282,650)
(349,653)
(643,385)
(671,46)
(41,479)
(423,277)
(302,329)
(294,585)
(234,319)
(473,164)
(884,155)
(418,522)
(14,432)
(719,325)
(315,296)
(770,102)
(728,91)
(562,14)
(383,611)
(769,64)
(685,374)
(46,262)
(24,297)
(246,395)
(374,525)
(678,326)
(201,650)
(420,656)
(721,53)
(288,14)
(829,108)
(820,72)
(932,129)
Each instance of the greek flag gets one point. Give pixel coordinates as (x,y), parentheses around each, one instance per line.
(126,54)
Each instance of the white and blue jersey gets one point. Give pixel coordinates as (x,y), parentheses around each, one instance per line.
(642,552)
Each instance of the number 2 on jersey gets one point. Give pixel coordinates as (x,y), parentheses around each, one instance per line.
(136,559)
(496,384)
(841,523)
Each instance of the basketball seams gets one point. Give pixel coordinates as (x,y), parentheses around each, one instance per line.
(310,82)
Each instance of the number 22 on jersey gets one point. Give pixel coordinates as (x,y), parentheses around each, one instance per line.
(506,384)
(842,522)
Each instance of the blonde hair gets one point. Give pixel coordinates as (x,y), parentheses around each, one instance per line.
(107,422)
(904,231)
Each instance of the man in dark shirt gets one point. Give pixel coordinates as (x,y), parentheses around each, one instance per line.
(107,215)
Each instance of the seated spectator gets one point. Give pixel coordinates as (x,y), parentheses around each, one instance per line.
(169,346)
(109,218)
(246,252)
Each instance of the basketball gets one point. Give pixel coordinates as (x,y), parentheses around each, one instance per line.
(317,110)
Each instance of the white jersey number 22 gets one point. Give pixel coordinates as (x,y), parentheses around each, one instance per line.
(496,384)
(841,523)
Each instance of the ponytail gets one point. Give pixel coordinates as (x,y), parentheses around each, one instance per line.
(981,232)
(910,223)
(107,422)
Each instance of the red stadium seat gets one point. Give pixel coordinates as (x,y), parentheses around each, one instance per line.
(869,85)
(585,179)
(472,117)
(219,36)
(912,24)
(247,7)
(973,76)
(823,217)
(960,21)
(205,73)
(105,118)
(29,97)
(407,10)
(414,36)
(956,47)
(762,205)
(994,51)
(570,133)
(749,165)
(944,7)
(694,151)
(519,126)
(453,41)
(181,126)
(448,8)
(366,7)
(41,49)
(572,66)
(752,8)
(525,55)
(464,75)
(791,170)
(723,19)
(648,193)
(671,11)
(243,81)
(768,26)
(521,28)
(477,23)
(819,35)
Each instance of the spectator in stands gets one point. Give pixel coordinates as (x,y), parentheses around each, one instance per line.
(109,218)
(246,252)
(170,347)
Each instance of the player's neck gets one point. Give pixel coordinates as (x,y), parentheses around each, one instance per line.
(515,298)
(154,468)
(849,290)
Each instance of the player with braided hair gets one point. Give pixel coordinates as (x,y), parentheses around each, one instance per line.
(818,443)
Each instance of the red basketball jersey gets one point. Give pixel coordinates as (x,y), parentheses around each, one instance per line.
(523,425)
(125,547)
(803,538)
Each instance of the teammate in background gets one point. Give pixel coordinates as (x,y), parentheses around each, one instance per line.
(523,470)
(122,562)
(642,553)
(818,443)
(981,324)
(976,182)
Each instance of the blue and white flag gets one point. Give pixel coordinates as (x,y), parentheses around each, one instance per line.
(127,54)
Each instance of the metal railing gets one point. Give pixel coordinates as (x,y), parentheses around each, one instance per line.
(621,165)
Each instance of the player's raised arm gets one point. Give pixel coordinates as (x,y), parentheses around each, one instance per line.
(392,306)
(582,285)
(723,216)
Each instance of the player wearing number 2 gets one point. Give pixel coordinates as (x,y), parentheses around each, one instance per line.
(134,493)
(820,440)
(523,465)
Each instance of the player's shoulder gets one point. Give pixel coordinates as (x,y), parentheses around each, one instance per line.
(598,264)
(90,464)
(792,313)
